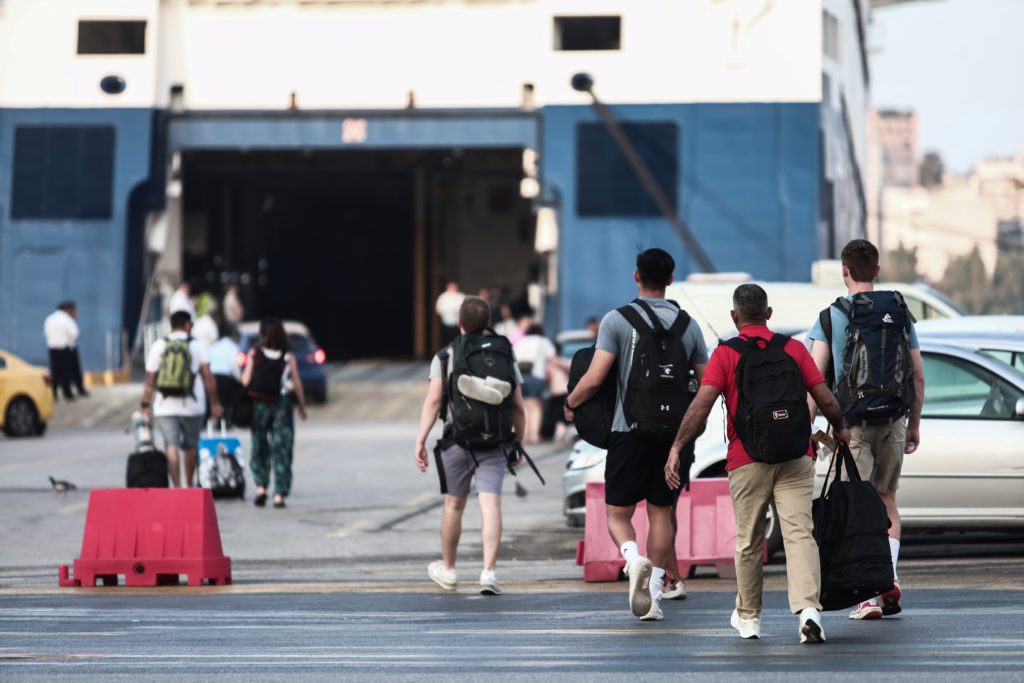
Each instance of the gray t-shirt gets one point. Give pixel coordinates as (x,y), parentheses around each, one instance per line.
(617,337)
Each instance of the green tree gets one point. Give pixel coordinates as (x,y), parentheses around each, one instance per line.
(900,265)
(966,282)
(1008,284)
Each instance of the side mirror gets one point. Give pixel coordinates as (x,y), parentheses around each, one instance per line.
(1018,409)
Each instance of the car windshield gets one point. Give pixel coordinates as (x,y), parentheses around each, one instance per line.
(569,348)
(301,344)
(1013,359)
(943,298)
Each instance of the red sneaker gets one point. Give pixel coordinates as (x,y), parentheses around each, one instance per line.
(891,600)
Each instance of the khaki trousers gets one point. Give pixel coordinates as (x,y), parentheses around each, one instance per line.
(792,485)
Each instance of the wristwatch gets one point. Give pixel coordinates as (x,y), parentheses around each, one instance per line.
(144,404)
(566,404)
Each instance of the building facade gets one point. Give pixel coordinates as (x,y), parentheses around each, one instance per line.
(343,159)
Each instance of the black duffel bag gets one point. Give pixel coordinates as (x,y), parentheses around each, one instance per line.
(851,529)
(593,418)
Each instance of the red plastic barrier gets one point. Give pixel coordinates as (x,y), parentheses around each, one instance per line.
(151,537)
(706,535)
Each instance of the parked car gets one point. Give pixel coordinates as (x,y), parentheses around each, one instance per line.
(967,474)
(795,304)
(973,324)
(572,341)
(1007,347)
(26,397)
(308,355)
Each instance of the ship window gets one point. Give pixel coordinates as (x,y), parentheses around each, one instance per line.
(588,33)
(111,37)
(63,172)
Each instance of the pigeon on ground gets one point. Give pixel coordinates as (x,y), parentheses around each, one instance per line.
(61,486)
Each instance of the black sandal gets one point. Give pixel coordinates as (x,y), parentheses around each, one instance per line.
(260,500)
(279,503)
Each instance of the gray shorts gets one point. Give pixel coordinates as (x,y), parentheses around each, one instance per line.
(457,468)
(878,452)
(180,430)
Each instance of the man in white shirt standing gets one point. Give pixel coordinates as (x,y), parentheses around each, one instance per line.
(447,308)
(178,371)
(61,332)
(181,300)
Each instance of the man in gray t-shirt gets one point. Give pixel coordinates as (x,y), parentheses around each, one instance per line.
(617,337)
(635,466)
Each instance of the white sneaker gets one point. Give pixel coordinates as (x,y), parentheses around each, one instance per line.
(810,626)
(445,578)
(677,591)
(655,613)
(639,571)
(489,584)
(748,628)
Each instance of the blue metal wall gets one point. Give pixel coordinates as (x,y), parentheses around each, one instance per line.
(44,261)
(748,187)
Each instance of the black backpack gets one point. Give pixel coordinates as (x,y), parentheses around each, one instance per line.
(772,419)
(851,530)
(658,389)
(267,376)
(593,419)
(877,382)
(484,365)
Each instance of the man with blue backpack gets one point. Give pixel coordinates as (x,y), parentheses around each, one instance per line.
(866,346)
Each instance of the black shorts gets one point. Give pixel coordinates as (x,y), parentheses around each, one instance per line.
(635,471)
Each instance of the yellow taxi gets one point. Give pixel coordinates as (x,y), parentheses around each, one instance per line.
(26,398)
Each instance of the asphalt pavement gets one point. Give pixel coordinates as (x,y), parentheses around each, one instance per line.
(942,634)
(334,586)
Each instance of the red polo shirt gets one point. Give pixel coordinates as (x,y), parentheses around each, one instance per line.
(721,374)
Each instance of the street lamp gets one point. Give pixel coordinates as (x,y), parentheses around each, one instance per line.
(583,82)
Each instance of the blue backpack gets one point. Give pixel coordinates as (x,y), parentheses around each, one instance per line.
(877,381)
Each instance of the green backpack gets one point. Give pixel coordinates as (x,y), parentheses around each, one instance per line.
(175,376)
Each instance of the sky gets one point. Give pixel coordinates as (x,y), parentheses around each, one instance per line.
(960,65)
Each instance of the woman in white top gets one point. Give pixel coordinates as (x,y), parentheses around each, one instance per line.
(533,352)
(267,369)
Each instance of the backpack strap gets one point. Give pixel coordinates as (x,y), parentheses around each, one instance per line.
(825,319)
(738,344)
(655,320)
(906,309)
(443,356)
(634,318)
(680,324)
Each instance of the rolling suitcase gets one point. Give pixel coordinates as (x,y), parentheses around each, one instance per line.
(147,467)
(221,468)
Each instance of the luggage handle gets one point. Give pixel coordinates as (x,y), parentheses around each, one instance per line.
(223,428)
(841,453)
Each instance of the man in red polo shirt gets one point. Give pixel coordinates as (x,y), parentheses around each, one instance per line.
(752,483)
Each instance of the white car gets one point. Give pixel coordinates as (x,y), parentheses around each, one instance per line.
(968,473)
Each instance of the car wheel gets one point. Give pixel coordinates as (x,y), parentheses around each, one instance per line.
(574,521)
(22,418)
(773,534)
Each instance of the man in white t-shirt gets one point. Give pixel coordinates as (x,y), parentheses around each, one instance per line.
(447,308)
(61,332)
(179,410)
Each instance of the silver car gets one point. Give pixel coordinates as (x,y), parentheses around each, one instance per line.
(968,472)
